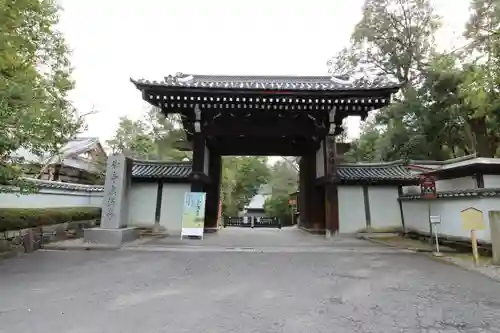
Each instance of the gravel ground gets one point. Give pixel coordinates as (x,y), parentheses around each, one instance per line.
(349,290)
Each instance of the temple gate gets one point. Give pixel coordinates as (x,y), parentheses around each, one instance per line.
(261,115)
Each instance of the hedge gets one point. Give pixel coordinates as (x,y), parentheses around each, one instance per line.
(22,218)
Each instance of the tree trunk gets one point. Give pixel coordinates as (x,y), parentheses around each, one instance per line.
(479,129)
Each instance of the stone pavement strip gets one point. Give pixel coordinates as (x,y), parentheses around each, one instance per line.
(449,256)
(360,287)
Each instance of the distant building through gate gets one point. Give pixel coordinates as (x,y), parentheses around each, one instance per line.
(255,207)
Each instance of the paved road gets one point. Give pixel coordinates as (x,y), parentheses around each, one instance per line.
(356,287)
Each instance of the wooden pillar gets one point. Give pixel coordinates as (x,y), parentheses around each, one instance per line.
(303,192)
(319,207)
(311,207)
(331,190)
(213,191)
(314,199)
(331,209)
(197,173)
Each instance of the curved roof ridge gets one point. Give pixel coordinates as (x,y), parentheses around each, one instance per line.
(449,161)
(374,164)
(161,162)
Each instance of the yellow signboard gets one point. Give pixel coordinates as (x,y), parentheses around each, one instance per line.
(472,219)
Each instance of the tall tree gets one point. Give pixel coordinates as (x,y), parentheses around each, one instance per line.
(35,112)
(242,178)
(283,180)
(446,107)
(132,139)
(396,36)
(153,137)
(479,90)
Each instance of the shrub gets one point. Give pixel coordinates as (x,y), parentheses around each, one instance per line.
(21,218)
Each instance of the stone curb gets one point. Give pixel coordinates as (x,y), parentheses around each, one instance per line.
(86,247)
(419,250)
(444,259)
(379,242)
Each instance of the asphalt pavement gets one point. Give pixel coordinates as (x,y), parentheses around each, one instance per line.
(244,281)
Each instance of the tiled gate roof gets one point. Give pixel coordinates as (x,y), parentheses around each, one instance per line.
(376,172)
(160,170)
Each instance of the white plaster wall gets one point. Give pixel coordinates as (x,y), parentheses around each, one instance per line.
(416,215)
(351,209)
(462,183)
(206,160)
(384,206)
(491,181)
(142,204)
(172,205)
(50,198)
(320,161)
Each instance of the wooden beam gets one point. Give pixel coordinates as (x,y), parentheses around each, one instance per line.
(273,129)
(263,146)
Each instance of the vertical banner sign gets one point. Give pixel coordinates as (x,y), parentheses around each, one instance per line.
(427,187)
(193,217)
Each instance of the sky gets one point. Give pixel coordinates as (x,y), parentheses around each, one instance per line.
(115,40)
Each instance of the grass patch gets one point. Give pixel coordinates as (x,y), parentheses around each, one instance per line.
(23,218)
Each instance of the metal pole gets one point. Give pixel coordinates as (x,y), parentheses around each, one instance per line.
(429,217)
(437,239)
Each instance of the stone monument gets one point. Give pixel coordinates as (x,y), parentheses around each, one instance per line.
(114,218)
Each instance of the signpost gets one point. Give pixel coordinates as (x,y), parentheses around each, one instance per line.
(435,222)
(428,191)
(473,219)
(193,216)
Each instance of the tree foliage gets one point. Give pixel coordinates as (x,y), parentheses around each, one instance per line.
(35,112)
(241,179)
(449,103)
(283,180)
(153,137)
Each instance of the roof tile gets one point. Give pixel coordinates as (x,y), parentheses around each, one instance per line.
(65,186)
(375,172)
(326,83)
(159,170)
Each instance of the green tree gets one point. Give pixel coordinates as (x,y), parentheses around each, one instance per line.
(241,180)
(283,180)
(479,89)
(449,103)
(132,139)
(35,112)
(153,137)
(365,149)
(277,206)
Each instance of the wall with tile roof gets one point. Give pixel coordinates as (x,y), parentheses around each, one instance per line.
(52,196)
(60,194)
(394,173)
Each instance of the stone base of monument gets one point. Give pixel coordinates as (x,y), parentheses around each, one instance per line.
(114,237)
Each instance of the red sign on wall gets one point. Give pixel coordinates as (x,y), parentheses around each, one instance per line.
(427,187)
